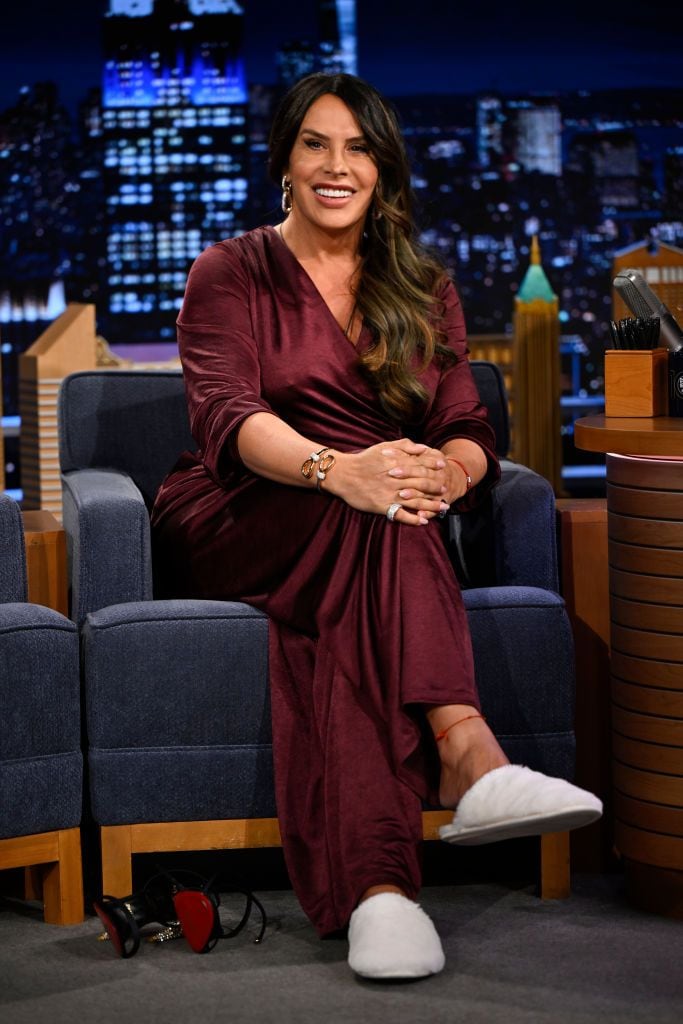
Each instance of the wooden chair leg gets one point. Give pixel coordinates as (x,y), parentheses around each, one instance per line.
(117,856)
(555,881)
(117,862)
(33,883)
(63,881)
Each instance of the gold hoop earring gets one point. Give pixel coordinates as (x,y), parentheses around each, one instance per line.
(287,201)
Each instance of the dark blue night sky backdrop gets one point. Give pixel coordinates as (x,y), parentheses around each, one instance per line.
(406,46)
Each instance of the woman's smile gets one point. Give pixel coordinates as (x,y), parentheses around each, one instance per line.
(331,169)
(333,198)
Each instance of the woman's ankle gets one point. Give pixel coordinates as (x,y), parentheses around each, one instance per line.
(466,755)
(375,890)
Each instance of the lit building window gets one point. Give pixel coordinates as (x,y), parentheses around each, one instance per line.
(163,150)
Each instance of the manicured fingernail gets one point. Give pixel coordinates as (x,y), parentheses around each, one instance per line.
(397,472)
(404,494)
(440,464)
(444,506)
(443,490)
(422,520)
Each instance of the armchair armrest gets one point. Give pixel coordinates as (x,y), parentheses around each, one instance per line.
(510,539)
(13,585)
(525,529)
(108,540)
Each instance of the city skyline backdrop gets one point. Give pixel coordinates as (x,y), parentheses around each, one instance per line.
(405,47)
(515,125)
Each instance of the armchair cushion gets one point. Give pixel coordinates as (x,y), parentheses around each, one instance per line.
(40,758)
(524,667)
(178,712)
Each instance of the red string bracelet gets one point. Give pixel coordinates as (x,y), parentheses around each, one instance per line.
(468,478)
(440,735)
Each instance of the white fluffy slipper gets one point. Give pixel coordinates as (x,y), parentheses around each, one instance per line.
(390,937)
(515,801)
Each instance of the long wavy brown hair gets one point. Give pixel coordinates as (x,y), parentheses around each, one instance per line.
(396,291)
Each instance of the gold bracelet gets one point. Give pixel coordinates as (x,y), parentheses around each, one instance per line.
(320,463)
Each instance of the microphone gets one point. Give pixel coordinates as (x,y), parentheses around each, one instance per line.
(642,301)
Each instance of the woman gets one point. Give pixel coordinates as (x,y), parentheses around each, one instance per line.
(337,419)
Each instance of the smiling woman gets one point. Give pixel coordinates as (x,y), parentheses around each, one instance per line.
(336,419)
(336,167)
(396,293)
(331,178)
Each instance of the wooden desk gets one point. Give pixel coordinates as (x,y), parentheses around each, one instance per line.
(645,548)
(46,561)
(582,534)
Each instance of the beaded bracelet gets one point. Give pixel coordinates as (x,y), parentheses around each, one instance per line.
(320,463)
(468,478)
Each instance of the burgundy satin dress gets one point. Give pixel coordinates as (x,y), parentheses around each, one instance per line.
(367,622)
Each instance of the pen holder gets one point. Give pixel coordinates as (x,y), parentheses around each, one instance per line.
(636,382)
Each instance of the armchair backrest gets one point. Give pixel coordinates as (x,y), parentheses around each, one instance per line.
(131,420)
(492,392)
(13,586)
(136,421)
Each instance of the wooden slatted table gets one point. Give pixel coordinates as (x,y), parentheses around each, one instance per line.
(645,548)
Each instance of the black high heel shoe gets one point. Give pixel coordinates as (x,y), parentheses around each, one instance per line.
(123,918)
(165,900)
(196,909)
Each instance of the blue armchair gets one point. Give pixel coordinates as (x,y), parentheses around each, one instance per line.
(177,712)
(41,765)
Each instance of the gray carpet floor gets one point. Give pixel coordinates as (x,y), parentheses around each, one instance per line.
(510,958)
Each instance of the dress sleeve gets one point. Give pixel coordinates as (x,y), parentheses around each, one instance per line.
(219,356)
(456,411)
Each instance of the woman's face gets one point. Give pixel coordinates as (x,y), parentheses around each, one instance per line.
(332,173)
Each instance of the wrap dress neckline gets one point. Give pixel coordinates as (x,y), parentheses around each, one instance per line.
(317,294)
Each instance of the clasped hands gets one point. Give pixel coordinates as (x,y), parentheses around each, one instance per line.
(402,471)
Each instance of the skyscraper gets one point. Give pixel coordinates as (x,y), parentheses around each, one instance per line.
(537,438)
(294,60)
(337,36)
(176,150)
(490,122)
(538,143)
(38,224)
